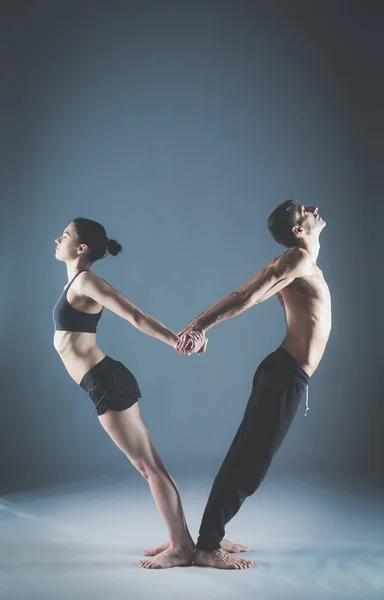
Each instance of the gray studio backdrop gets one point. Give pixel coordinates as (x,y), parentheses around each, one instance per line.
(180,126)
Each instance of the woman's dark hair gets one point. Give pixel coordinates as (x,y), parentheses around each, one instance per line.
(281,221)
(93,235)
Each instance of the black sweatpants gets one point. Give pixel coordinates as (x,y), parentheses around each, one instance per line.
(279,385)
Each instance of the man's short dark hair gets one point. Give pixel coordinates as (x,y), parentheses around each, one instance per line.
(281,221)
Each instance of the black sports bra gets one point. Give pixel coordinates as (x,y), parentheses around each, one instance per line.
(68,318)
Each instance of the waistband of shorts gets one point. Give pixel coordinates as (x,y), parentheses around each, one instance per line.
(99,370)
(282,352)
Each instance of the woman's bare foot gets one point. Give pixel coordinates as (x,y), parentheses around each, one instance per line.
(170,557)
(219,559)
(157,550)
(225,545)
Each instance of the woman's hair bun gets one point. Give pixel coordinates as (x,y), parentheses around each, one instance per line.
(113,247)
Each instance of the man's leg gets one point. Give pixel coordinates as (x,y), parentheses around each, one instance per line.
(275,396)
(225,498)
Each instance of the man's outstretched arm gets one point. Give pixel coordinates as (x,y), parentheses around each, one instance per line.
(267,282)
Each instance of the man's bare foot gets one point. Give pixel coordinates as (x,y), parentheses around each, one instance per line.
(169,558)
(219,559)
(228,546)
(225,545)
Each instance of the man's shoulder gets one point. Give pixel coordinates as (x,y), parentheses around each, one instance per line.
(294,259)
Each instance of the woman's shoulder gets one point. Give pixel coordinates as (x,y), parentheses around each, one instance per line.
(83,280)
(90,282)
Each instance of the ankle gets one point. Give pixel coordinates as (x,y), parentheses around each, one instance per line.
(182,546)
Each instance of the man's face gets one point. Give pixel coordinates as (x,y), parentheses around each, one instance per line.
(309,219)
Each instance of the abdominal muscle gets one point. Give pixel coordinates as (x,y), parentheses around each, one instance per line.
(78,351)
(306,350)
(307,307)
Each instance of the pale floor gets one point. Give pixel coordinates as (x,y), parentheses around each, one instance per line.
(309,539)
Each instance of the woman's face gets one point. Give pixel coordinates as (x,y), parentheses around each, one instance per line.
(67,246)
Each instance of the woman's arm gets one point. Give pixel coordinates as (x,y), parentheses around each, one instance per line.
(102,292)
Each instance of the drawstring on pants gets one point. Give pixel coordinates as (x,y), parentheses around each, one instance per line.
(306,403)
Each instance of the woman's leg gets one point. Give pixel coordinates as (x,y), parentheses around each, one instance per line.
(129,432)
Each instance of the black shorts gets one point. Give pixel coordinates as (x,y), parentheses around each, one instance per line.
(111,386)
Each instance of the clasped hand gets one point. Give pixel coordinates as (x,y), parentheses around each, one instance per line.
(191,340)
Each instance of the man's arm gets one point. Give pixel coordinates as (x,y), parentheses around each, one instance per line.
(102,292)
(267,282)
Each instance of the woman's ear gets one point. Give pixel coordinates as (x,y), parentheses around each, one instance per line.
(82,248)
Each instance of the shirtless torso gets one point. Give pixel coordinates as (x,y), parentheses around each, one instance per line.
(307,307)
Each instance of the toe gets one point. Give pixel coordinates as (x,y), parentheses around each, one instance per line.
(243,564)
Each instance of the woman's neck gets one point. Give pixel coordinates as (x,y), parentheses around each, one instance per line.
(75,267)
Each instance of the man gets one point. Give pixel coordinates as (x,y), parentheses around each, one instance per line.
(281,380)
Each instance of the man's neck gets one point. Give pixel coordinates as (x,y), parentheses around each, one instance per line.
(313,248)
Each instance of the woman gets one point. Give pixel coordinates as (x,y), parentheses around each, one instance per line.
(112,387)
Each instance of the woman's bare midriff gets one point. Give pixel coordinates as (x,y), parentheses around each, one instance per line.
(78,351)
